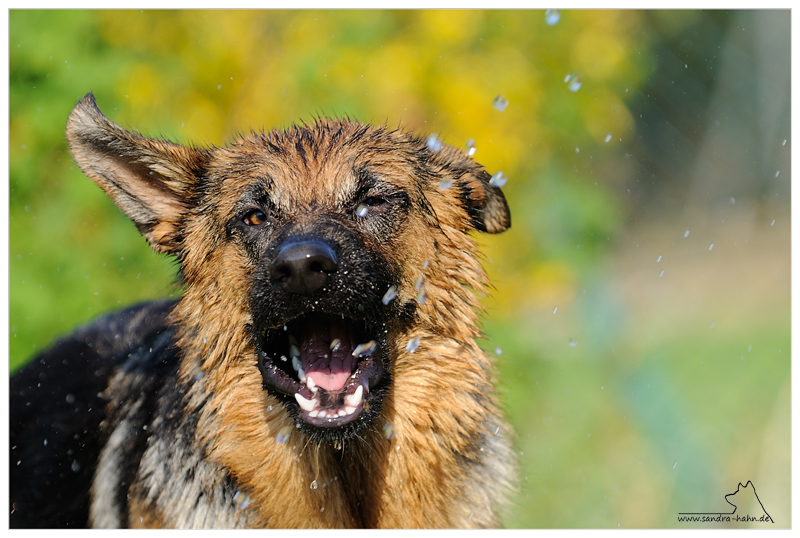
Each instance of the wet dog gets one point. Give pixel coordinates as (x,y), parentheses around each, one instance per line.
(320,368)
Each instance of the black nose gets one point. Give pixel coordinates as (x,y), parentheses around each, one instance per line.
(303,267)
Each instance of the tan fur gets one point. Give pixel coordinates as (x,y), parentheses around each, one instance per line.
(439,454)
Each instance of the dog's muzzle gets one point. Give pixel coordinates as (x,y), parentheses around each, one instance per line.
(328,356)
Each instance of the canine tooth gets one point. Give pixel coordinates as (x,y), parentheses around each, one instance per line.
(301,375)
(354,399)
(310,384)
(364,350)
(294,351)
(296,364)
(307,405)
(336,344)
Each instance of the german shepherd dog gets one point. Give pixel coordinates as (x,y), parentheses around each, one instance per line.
(320,368)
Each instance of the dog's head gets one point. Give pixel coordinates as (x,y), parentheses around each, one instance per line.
(309,254)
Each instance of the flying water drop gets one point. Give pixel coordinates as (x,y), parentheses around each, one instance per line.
(500,103)
(471,149)
(390,294)
(498,179)
(552,16)
(434,144)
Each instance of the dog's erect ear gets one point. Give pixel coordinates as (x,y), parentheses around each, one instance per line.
(150,180)
(485,203)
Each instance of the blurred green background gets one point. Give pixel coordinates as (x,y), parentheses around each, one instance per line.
(641,315)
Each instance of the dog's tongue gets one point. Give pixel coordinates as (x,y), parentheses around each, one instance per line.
(326,354)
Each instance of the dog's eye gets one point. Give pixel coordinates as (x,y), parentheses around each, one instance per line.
(372,203)
(255,218)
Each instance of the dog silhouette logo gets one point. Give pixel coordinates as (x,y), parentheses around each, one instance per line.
(745,497)
(747,507)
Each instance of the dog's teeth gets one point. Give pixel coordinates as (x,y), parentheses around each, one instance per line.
(336,344)
(296,363)
(354,399)
(313,414)
(301,375)
(311,385)
(294,351)
(307,405)
(349,410)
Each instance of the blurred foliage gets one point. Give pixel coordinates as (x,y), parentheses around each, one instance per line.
(205,76)
(598,427)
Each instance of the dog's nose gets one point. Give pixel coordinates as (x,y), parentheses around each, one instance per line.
(303,267)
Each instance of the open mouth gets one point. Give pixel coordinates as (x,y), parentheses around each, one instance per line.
(328,364)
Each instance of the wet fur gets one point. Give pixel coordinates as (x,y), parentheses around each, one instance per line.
(162,409)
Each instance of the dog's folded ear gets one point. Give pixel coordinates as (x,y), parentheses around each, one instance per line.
(485,203)
(150,180)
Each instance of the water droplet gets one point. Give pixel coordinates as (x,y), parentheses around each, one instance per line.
(686,234)
(555,310)
(777,173)
(577,150)
(433,143)
(552,16)
(471,149)
(658,260)
(412,344)
(711,246)
(314,485)
(422,296)
(283,434)
(242,500)
(608,138)
(498,179)
(661,274)
(419,282)
(573,343)
(389,431)
(445,184)
(574,81)
(500,102)
(733,200)
(674,464)
(773,223)
(269,408)
(498,350)
(390,294)
(784,142)
(712,324)
(76,466)
(362,210)
(365,350)
(70,399)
